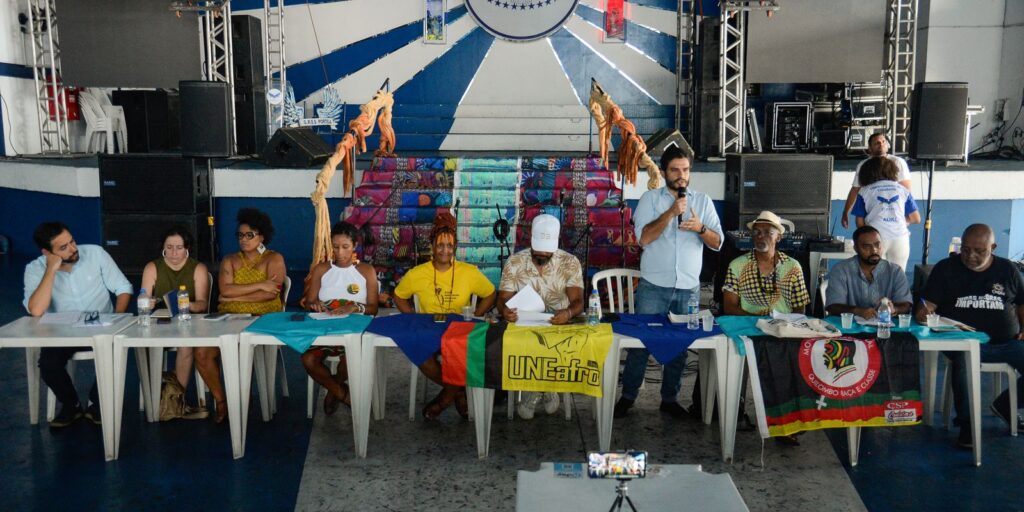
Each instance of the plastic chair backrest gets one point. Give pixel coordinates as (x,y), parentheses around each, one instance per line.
(822,288)
(286,286)
(209,290)
(618,284)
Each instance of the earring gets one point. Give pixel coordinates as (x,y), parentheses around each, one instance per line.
(261,249)
(163,253)
(186,254)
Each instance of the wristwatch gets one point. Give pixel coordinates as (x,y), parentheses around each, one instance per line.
(703,228)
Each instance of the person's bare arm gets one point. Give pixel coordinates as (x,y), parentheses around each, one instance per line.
(848,207)
(914,218)
(652,230)
(860,222)
(40,299)
(484,304)
(312,297)
(122,302)
(149,278)
(372,287)
(906,184)
(201,278)
(926,308)
(564,316)
(509,314)
(731,303)
(865,313)
(404,305)
(255,292)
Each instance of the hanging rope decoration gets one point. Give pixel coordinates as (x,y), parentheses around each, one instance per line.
(344,153)
(632,150)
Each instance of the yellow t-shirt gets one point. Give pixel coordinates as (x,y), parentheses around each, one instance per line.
(435,290)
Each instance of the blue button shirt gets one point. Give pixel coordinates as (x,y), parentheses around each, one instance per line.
(673,260)
(847,284)
(87,287)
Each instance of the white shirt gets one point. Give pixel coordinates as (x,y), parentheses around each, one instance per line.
(884,205)
(343,283)
(902,175)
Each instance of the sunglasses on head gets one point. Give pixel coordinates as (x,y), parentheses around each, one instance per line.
(248,235)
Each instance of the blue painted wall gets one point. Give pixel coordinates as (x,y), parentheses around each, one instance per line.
(23,210)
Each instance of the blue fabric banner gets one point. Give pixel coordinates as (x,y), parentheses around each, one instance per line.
(300,335)
(664,341)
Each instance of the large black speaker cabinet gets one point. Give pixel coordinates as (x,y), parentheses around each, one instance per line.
(250,120)
(147,117)
(247,50)
(665,138)
(811,224)
(134,239)
(296,147)
(153,184)
(205,118)
(785,184)
(938,121)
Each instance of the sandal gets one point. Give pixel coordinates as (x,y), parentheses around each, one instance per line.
(462,403)
(331,403)
(442,401)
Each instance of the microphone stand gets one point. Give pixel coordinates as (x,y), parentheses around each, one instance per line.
(622,228)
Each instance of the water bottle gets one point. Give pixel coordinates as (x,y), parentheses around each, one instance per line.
(693,312)
(183,311)
(594,308)
(145,306)
(884,318)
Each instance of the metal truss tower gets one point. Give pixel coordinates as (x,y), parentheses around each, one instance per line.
(900,56)
(274,63)
(686,30)
(51,102)
(731,60)
(220,65)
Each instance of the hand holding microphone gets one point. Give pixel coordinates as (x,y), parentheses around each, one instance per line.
(680,205)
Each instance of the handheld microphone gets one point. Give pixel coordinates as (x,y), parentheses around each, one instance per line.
(681,192)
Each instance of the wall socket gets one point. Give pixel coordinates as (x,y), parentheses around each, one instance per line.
(999,114)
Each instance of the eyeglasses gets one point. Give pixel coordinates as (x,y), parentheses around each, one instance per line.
(90,317)
(248,235)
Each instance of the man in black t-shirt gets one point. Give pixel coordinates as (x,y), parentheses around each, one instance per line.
(986,292)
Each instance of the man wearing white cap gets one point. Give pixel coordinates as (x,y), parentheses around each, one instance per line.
(673,225)
(764,280)
(556,276)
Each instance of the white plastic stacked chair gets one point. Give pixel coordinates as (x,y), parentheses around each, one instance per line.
(998,370)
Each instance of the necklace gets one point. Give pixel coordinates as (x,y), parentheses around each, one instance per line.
(444,300)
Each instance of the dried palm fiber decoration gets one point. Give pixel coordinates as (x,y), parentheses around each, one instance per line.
(632,151)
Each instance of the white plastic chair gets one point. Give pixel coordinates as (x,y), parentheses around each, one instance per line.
(822,288)
(51,399)
(99,123)
(615,281)
(269,366)
(116,114)
(998,370)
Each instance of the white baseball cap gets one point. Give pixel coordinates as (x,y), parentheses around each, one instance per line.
(544,237)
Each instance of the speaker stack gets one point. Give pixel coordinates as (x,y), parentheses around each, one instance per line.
(250,94)
(938,121)
(147,116)
(796,187)
(143,195)
(205,119)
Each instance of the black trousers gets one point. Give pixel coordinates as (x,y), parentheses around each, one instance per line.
(52,363)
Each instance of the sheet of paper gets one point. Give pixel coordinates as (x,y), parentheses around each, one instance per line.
(534,318)
(684,318)
(789,317)
(526,300)
(64,318)
(325,316)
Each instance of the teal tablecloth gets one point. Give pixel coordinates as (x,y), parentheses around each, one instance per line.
(300,335)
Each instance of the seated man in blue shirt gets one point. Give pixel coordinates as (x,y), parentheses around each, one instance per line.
(70,278)
(857,285)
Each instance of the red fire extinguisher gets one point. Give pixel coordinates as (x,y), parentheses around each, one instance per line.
(70,101)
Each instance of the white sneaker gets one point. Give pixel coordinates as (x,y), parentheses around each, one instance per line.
(529,404)
(551,403)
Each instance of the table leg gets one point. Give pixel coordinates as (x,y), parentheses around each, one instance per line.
(931,362)
(483,404)
(360,384)
(260,362)
(270,359)
(245,361)
(156,380)
(32,377)
(721,381)
(380,378)
(853,442)
(120,365)
(229,359)
(974,390)
(814,264)
(734,381)
(142,364)
(708,379)
(104,361)
(606,404)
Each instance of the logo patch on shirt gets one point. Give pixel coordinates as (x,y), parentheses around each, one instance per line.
(997,289)
(353,289)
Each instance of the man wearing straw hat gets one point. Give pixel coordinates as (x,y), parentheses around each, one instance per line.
(764,280)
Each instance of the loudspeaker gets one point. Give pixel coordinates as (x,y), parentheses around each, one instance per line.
(134,239)
(811,224)
(250,120)
(794,184)
(153,184)
(247,51)
(147,117)
(938,121)
(296,147)
(664,138)
(205,118)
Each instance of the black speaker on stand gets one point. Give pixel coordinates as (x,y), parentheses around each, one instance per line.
(147,116)
(250,89)
(206,129)
(296,147)
(938,129)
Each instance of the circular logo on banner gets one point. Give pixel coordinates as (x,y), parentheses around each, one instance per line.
(521,20)
(839,368)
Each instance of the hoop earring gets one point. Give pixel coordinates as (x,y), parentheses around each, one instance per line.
(163,253)
(186,254)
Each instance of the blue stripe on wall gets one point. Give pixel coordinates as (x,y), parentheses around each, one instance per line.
(658,46)
(23,210)
(580,64)
(308,77)
(668,5)
(238,5)
(15,70)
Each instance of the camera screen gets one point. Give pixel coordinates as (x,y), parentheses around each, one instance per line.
(619,465)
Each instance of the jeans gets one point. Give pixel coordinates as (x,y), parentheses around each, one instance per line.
(52,363)
(1011,352)
(656,300)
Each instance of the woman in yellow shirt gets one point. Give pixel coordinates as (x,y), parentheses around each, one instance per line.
(443,285)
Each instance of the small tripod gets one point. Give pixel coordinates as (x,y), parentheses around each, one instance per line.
(622,491)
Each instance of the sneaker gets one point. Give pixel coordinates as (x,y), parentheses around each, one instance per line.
(965,440)
(92,413)
(1004,414)
(529,404)
(674,409)
(622,408)
(68,415)
(551,402)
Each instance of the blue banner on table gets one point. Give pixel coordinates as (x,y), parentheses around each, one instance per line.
(848,381)
(300,334)
(663,339)
(417,335)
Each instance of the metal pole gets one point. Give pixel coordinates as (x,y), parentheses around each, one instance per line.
(928,214)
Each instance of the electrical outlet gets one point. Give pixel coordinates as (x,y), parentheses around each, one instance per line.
(999,115)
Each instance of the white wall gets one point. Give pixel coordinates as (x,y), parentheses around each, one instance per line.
(20,122)
(1011,78)
(963,41)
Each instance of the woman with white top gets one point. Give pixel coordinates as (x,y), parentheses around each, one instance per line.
(342,286)
(887,206)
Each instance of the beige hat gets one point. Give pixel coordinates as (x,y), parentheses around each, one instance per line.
(544,236)
(767,217)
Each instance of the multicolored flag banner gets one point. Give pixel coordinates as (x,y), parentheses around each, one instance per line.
(560,359)
(850,381)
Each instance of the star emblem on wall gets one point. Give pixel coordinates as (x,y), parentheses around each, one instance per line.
(521,5)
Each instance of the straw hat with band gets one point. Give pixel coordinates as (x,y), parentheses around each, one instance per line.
(767,217)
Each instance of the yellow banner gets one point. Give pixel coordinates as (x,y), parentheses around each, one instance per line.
(557,358)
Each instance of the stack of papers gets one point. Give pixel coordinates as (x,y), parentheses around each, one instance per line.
(325,316)
(530,307)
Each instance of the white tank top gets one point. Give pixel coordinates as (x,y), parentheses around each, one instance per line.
(343,283)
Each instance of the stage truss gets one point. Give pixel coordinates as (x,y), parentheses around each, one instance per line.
(51,100)
(900,56)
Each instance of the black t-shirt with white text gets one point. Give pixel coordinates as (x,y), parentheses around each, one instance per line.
(985,300)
